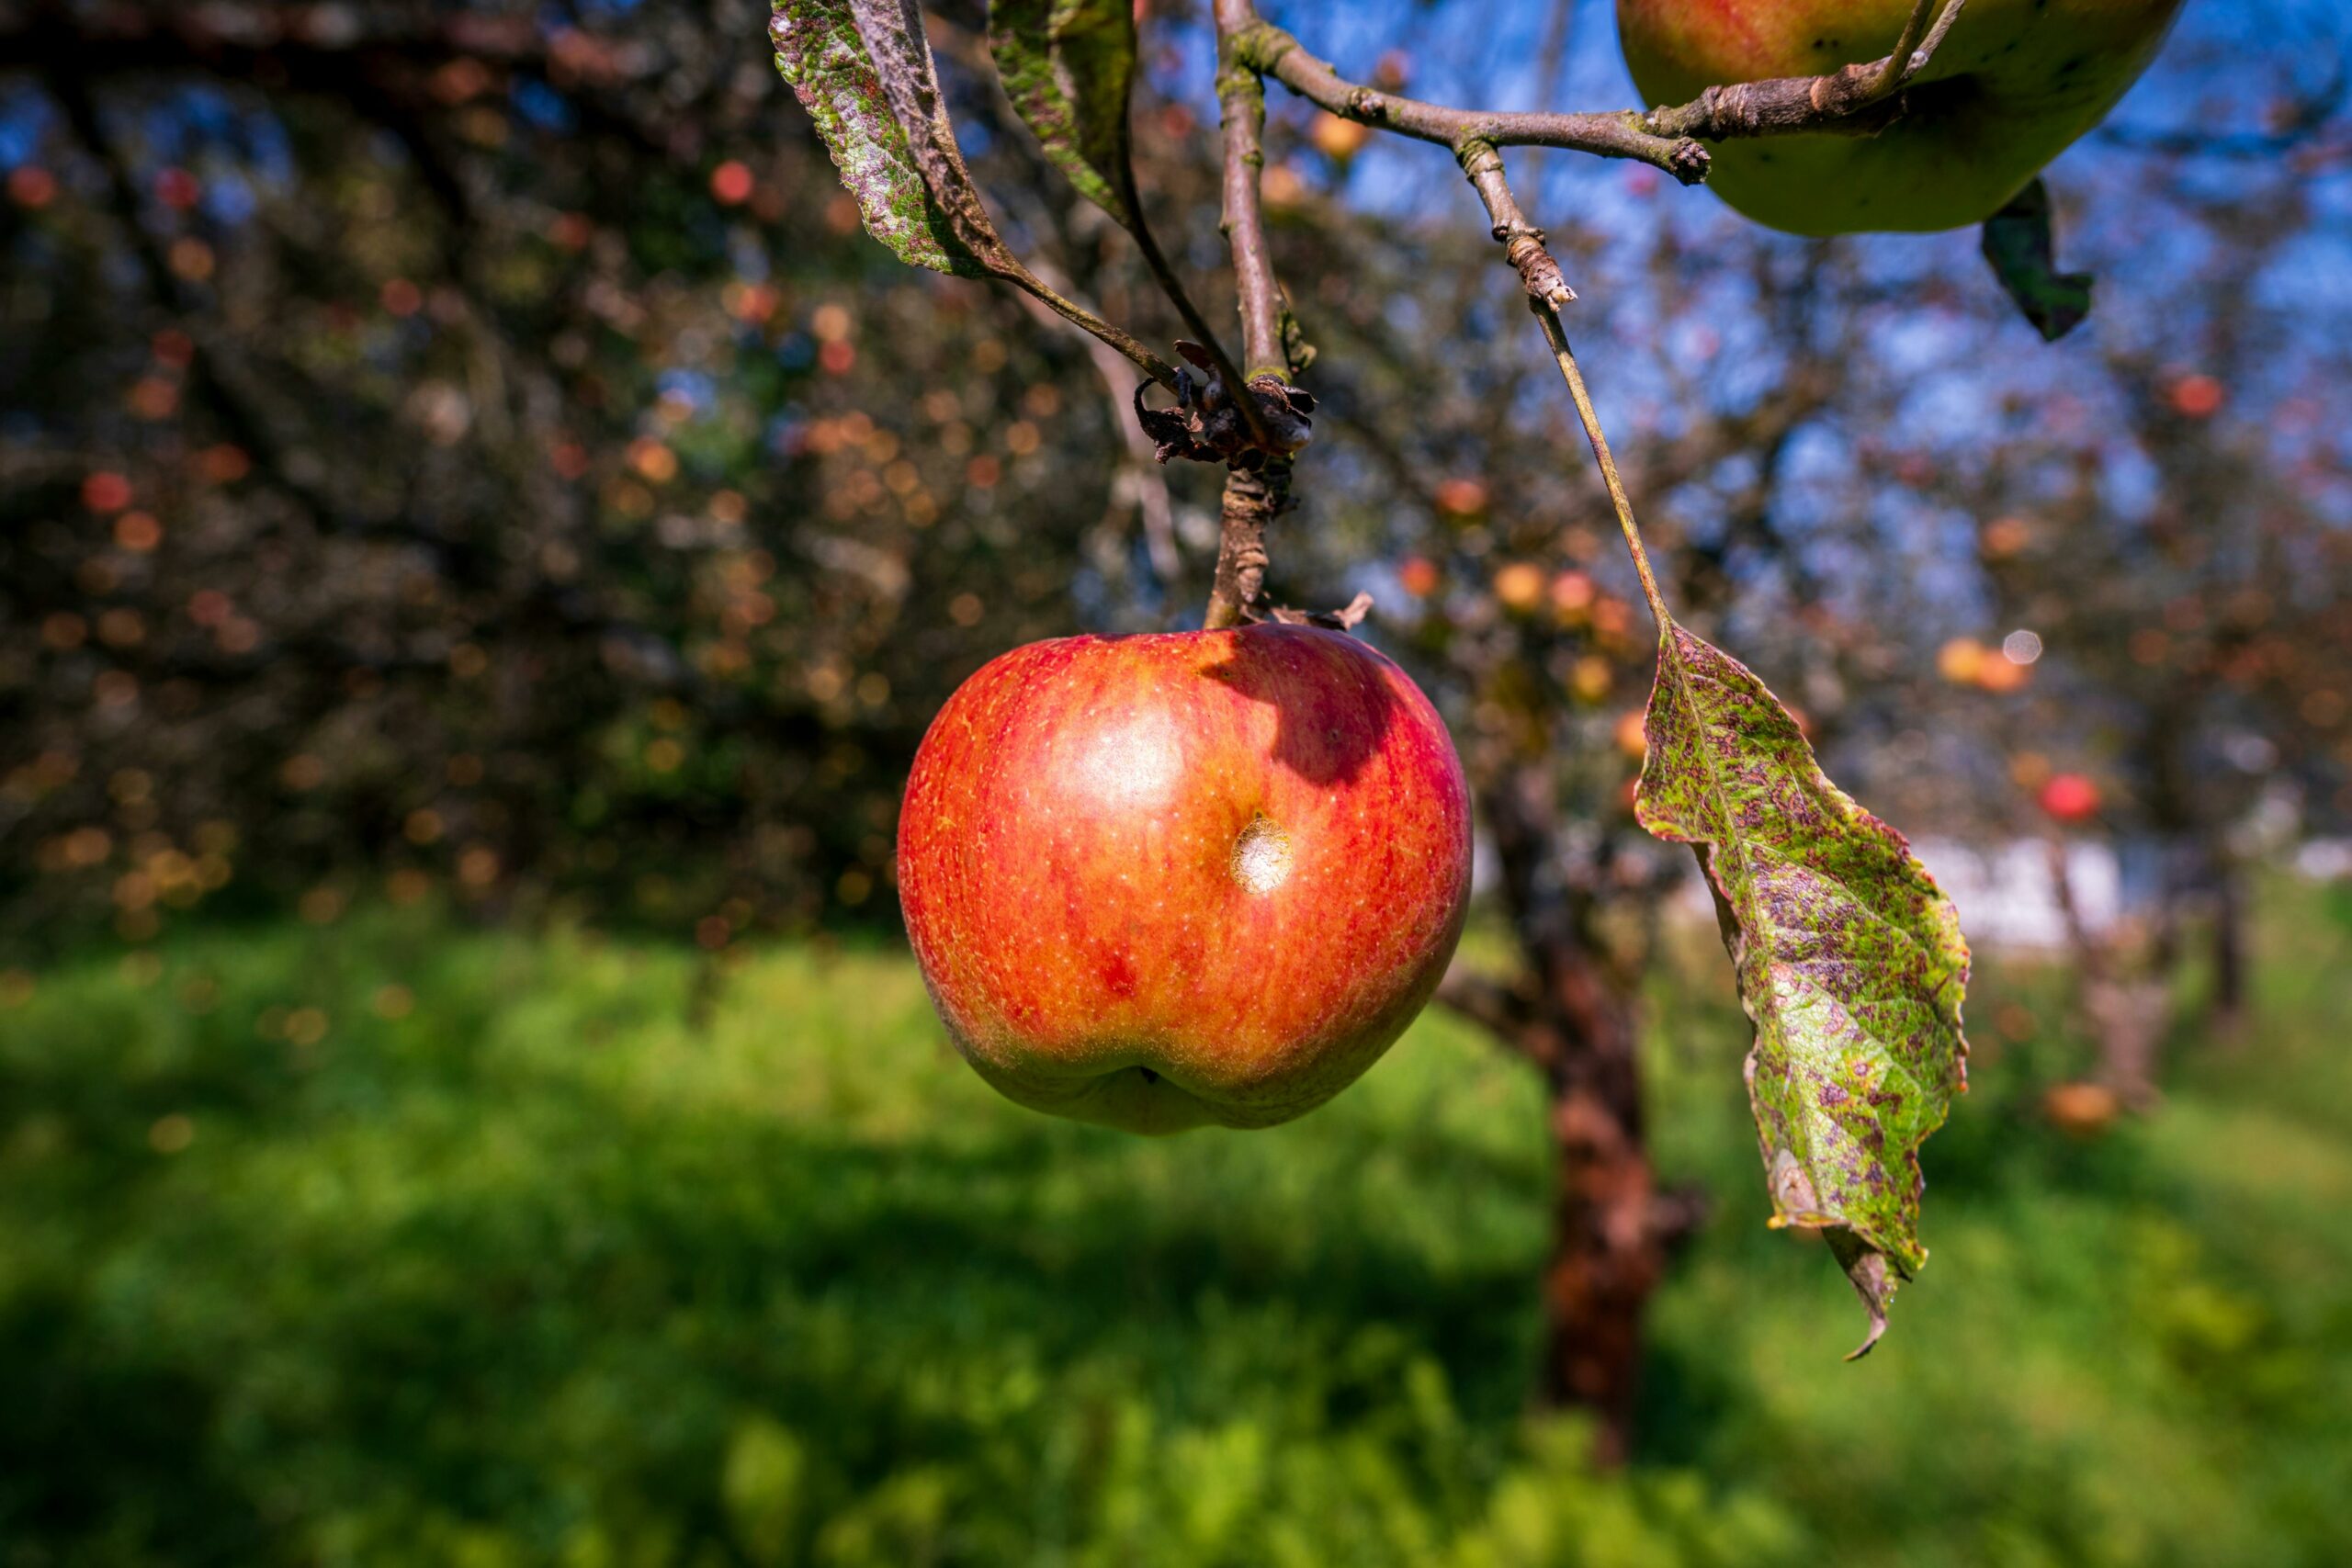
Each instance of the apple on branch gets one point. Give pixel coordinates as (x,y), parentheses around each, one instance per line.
(2009,87)
(1157,882)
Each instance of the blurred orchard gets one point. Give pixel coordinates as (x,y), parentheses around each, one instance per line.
(474,452)
(469,456)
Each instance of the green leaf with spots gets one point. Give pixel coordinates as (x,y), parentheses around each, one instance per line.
(862,70)
(1068,66)
(1850,961)
(822,49)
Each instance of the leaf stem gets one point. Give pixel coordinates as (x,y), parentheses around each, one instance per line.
(1173,286)
(1150,364)
(1556,335)
(1547,290)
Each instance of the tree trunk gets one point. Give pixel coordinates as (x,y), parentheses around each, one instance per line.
(2124,998)
(2229,952)
(1573,1014)
(1608,1249)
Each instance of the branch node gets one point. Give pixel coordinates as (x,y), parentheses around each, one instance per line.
(1522,241)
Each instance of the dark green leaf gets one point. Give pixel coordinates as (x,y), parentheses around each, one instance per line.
(2017,243)
(1068,66)
(1850,962)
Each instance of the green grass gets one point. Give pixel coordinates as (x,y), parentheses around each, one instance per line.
(539,1271)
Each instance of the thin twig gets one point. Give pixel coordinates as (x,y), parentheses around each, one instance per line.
(1522,241)
(1547,292)
(973,50)
(1164,274)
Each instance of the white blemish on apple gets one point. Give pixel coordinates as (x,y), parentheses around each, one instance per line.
(1262,856)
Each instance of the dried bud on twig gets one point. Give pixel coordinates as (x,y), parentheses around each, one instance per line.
(1208,425)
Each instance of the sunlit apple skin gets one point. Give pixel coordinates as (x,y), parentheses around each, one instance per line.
(1163,882)
(2011,87)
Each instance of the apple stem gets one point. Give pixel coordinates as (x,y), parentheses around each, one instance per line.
(1896,65)
(1922,32)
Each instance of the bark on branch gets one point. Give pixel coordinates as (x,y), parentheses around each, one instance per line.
(1840,104)
(1241,96)
(1271,52)
(1855,100)
(1253,498)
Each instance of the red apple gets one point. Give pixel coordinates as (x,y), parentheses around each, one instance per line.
(2070,797)
(2012,84)
(1159,882)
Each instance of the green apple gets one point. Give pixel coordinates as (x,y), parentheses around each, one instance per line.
(2011,86)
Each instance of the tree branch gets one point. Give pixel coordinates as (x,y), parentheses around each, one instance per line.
(1242,97)
(1271,52)
(1856,100)
(1253,497)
